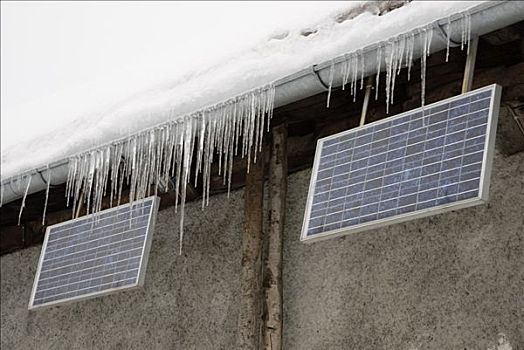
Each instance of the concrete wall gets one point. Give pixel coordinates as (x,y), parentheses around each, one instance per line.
(452,281)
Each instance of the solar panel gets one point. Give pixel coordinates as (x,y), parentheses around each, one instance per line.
(95,255)
(419,163)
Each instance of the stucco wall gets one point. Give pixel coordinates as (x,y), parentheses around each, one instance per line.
(452,281)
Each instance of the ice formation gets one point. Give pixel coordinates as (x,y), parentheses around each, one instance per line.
(149,160)
(23,200)
(397,53)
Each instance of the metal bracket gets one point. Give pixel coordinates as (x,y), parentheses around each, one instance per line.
(445,34)
(369,86)
(469,69)
(315,73)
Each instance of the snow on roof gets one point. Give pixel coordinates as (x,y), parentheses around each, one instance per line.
(118,106)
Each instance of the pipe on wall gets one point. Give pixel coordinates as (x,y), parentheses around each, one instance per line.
(485,18)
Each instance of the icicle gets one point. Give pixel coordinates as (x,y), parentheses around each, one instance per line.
(350,73)
(345,72)
(185,175)
(250,129)
(423,69)
(379,62)
(331,73)
(430,38)
(426,49)
(23,199)
(409,54)
(362,68)
(448,38)
(426,45)
(468,30)
(400,54)
(256,108)
(46,194)
(354,78)
(465,37)
(395,65)
(390,71)
(150,157)
(401,48)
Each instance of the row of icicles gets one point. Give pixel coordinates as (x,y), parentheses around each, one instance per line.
(397,53)
(147,161)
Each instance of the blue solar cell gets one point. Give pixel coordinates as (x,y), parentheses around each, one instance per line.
(389,204)
(390,192)
(438,118)
(338,184)
(321,197)
(331,218)
(412,171)
(382,126)
(333,227)
(406,190)
(447,190)
(324,174)
(425,205)
(342,169)
(328,159)
(378,172)
(338,193)
(459,102)
(472,158)
(343,159)
(467,195)
(400,129)
(478,105)
(364,219)
(476,131)
(377,159)
(459,111)
(386,214)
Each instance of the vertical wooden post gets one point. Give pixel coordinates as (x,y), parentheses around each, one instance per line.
(249,319)
(272,329)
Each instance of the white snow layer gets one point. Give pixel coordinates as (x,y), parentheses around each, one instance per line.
(91,120)
(151,138)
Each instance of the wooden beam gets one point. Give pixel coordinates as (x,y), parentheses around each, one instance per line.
(249,319)
(272,329)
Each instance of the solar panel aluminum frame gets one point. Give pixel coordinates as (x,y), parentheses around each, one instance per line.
(484,182)
(141,269)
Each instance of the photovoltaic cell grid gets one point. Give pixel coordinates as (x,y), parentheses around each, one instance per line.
(407,166)
(95,254)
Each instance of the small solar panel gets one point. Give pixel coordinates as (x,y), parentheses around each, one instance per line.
(419,163)
(96,254)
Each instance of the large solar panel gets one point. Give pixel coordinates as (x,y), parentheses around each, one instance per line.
(419,163)
(96,254)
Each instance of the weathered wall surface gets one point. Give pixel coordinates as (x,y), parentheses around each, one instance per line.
(452,281)
(188,301)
